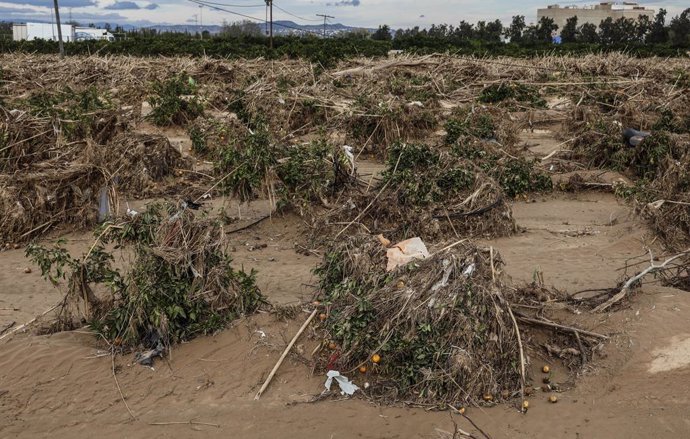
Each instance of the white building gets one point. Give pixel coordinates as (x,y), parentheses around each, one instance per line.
(92,33)
(42,31)
(594,14)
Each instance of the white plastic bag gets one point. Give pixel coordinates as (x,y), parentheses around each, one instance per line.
(405,252)
(346,386)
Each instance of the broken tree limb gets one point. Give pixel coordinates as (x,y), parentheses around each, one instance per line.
(630,282)
(522,353)
(561,327)
(285,352)
(20,327)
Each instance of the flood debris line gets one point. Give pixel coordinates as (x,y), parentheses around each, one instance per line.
(437,331)
(48,181)
(181,283)
(628,285)
(426,191)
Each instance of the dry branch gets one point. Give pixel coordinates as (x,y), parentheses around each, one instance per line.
(630,282)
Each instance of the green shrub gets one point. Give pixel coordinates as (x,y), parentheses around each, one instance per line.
(496,93)
(181,282)
(480,125)
(247,165)
(174,101)
(312,173)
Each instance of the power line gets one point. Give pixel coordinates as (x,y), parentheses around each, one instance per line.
(249,17)
(234,6)
(325,19)
(296,16)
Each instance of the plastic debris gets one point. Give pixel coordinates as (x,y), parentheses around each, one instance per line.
(405,252)
(347,387)
(347,149)
(634,137)
(146,358)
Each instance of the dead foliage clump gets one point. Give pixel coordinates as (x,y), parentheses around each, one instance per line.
(443,327)
(425,192)
(180,283)
(658,166)
(70,188)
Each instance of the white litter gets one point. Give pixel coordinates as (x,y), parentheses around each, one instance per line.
(469,270)
(347,149)
(405,252)
(447,268)
(346,386)
(131,212)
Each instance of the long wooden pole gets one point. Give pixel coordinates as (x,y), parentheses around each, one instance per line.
(285,352)
(59,28)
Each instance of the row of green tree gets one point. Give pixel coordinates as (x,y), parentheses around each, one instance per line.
(642,37)
(610,32)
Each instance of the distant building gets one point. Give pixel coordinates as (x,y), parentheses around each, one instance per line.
(92,33)
(41,31)
(48,31)
(594,14)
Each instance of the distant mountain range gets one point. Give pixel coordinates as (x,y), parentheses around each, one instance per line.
(280,27)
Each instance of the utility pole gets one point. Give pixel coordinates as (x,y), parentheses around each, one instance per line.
(59,28)
(325,18)
(269,3)
(201,21)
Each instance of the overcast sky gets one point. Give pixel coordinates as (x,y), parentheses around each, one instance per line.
(366,13)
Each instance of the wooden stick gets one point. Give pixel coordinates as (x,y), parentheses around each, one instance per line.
(629,283)
(7,327)
(522,359)
(562,327)
(185,423)
(117,384)
(459,430)
(285,352)
(20,327)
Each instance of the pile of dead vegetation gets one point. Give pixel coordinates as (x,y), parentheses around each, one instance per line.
(657,161)
(291,176)
(79,183)
(436,192)
(438,330)
(180,282)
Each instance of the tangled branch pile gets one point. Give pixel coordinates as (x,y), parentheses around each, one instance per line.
(427,191)
(658,165)
(70,188)
(441,326)
(181,282)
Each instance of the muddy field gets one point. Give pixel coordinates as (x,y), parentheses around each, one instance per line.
(557,208)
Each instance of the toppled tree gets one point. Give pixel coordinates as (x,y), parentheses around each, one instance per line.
(181,282)
(174,101)
(438,331)
(290,176)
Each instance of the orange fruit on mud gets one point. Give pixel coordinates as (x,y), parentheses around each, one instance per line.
(363,369)
(332,346)
(546,369)
(376,358)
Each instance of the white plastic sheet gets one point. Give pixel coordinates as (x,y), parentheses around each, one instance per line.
(405,252)
(346,386)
